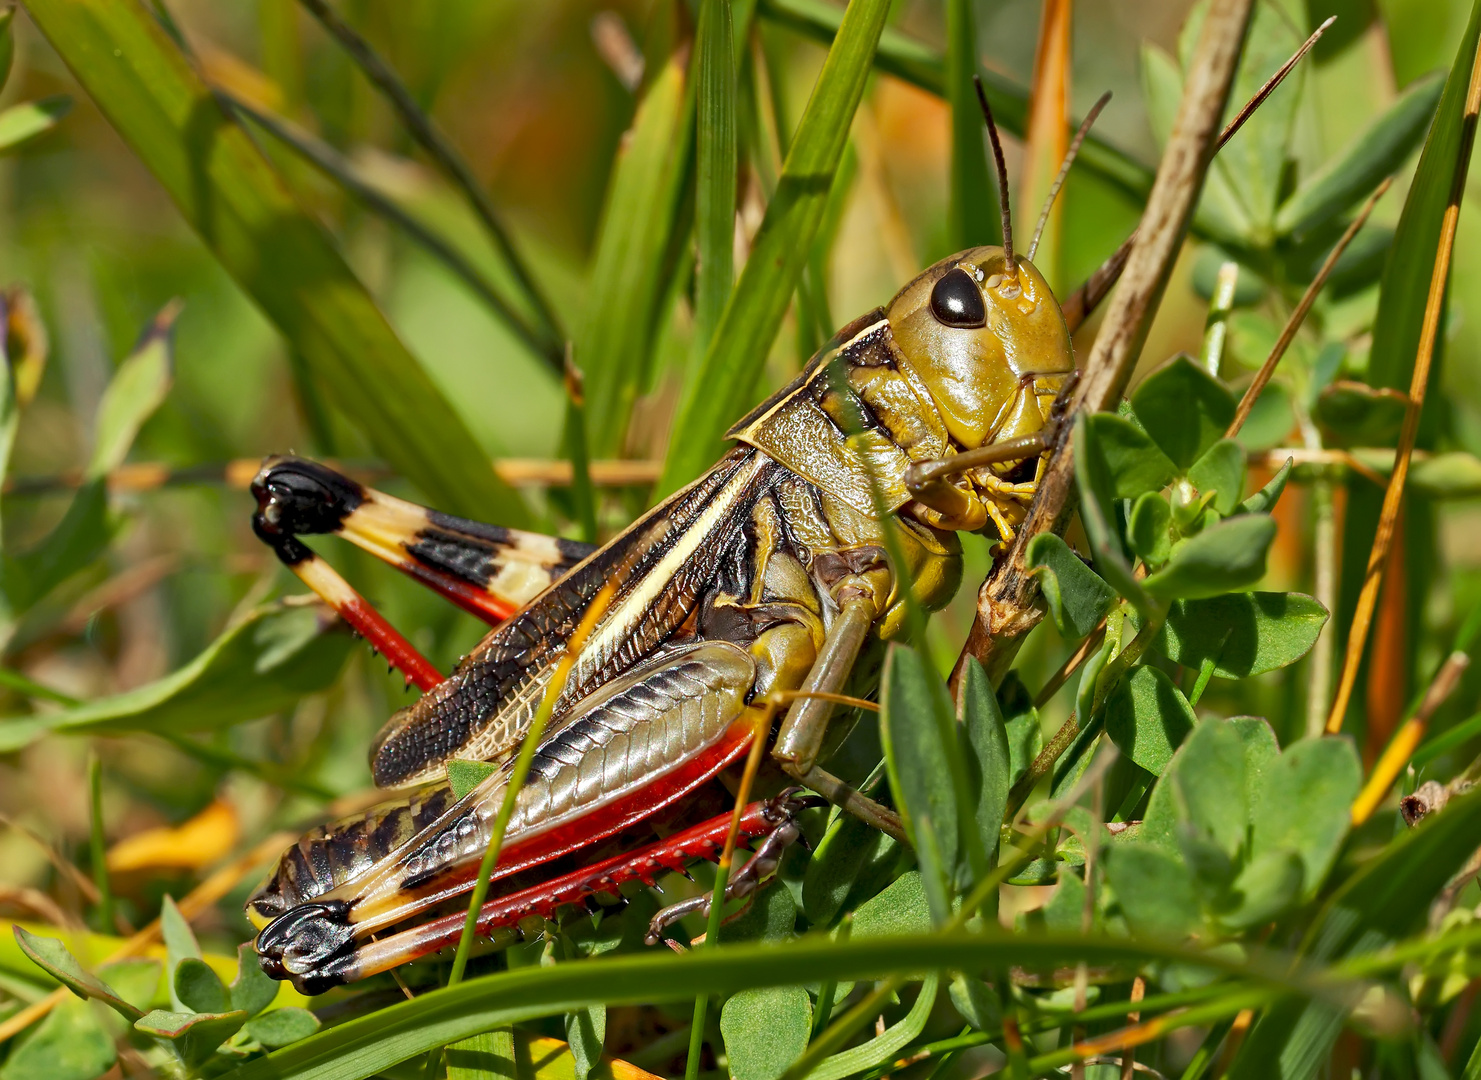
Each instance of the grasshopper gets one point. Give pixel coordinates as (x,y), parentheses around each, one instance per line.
(766,575)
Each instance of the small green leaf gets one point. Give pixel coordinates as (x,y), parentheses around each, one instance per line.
(988,756)
(1153,889)
(765,1030)
(1148,718)
(464,775)
(252,990)
(919,763)
(1133,461)
(586,1030)
(1305,804)
(56,960)
(1357,169)
(282,1026)
(1228,556)
(199,988)
(195,1036)
(1356,414)
(1264,500)
(1078,599)
(853,861)
(1269,884)
(1097,496)
(137,389)
(1184,409)
(1220,470)
(1148,528)
(1209,786)
(19,124)
(901,908)
(261,664)
(772,916)
(180,944)
(69,1044)
(1243,633)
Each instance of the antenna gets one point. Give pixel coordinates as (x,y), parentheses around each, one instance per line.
(1064,170)
(997,152)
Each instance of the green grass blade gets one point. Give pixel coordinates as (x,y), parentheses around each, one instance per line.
(973,217)
(334,165)
(725,382)
(1406,275)
(279,255)
(918,64)
(714,200)
(636,252)
(442,152)
(366,1045)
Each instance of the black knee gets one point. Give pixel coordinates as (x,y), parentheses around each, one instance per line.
(297,497)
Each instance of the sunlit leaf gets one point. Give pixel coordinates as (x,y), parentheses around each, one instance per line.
(195,1036)
(1148,718)
(765,1030)
(1228,556)
(136,390)
(199,988)
(1184,409)
(1244,634)
(1220,470)
(280,1027)
(251,990)
(1304,803)
(56,960)
(1078,599)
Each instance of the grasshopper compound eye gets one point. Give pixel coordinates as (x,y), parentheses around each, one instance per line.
(956,301)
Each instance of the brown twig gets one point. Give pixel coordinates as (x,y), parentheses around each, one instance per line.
(237,473)
(1006,608)
(1393,497)
(1069,667)
(1087,298)
(1293,324)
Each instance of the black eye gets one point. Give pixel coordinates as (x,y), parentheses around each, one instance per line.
(957,301)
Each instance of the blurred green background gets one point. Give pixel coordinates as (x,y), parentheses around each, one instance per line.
(538,97)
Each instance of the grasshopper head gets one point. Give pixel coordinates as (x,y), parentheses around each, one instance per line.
(988,342)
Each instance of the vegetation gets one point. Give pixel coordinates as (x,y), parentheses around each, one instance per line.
(1209,816)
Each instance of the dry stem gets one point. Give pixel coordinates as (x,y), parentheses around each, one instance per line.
(1006,606)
